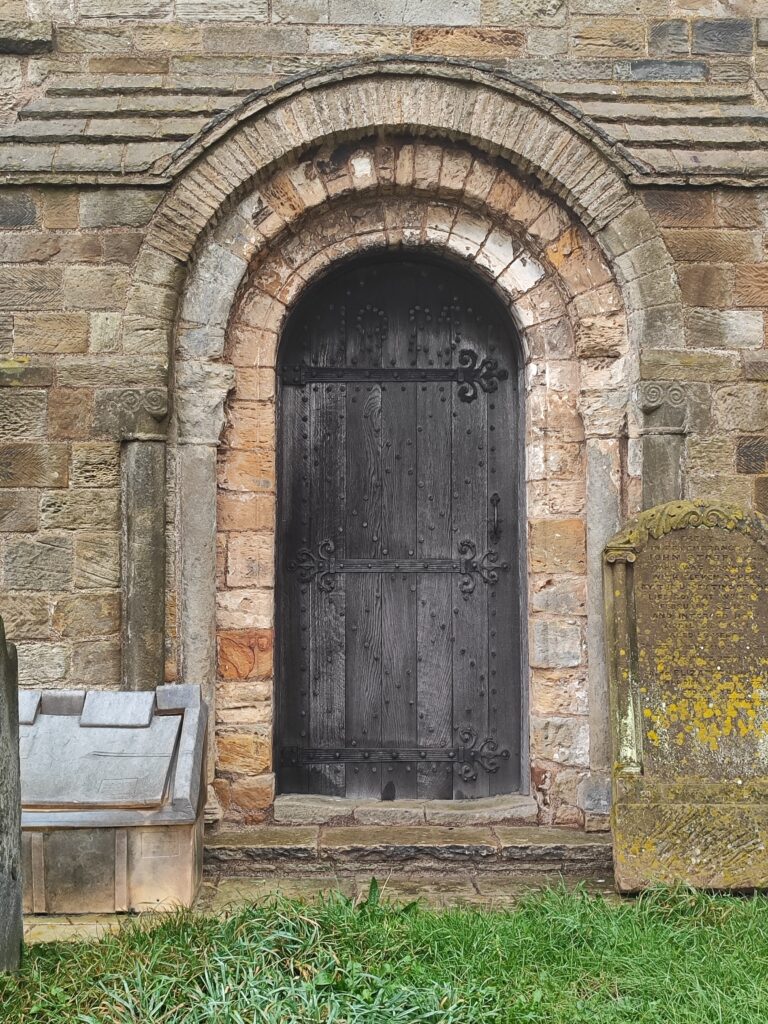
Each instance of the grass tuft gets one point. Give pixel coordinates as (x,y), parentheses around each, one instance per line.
(559,957)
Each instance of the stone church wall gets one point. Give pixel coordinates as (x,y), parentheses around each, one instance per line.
(98,100)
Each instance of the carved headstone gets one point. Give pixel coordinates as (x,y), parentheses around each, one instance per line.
(10,809)
(686,588)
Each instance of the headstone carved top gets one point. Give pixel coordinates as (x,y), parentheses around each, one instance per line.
(686,587)
(10,809)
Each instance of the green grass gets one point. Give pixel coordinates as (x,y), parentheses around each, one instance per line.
(560,957)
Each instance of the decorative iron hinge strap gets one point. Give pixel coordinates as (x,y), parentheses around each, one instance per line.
(325,566)
(471,373)
(472,754)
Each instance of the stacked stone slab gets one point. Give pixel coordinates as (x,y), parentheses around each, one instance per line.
(159,160)
(10,809)
(686,588)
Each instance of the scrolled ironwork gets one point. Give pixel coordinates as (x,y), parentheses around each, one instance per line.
(308,565)
(484,753)
(484,374)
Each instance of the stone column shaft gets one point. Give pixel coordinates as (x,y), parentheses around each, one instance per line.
(143,496)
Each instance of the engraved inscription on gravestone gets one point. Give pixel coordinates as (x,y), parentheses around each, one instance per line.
(686,587)
(10,810)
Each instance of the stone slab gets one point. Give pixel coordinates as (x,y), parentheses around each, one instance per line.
(397,844)
(64,764)
(118,710)
(686,586)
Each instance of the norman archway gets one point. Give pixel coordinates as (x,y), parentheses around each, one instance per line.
(270,232)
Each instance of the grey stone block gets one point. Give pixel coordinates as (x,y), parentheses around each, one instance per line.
(661,70)
(722,35)
(40,563)
(17,210)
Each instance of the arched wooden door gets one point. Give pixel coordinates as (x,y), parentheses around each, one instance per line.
(398,537)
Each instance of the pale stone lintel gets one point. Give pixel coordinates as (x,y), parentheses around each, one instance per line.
(202,389)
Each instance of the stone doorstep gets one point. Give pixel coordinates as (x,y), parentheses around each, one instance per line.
(297,809)
(302,850)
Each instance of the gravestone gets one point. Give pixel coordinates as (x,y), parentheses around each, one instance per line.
(686,590)
(10,809)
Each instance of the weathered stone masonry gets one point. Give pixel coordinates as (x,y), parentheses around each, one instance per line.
(612,191)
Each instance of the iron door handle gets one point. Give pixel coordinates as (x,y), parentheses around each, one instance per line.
(495,531)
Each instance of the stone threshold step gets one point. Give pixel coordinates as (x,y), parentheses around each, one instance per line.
(297,809)
(501,847)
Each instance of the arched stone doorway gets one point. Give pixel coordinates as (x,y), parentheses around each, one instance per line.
(399,553)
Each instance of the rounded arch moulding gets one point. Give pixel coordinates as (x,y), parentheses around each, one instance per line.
(540,137)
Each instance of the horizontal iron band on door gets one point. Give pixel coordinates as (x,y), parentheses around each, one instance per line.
(470,755)
(325,565)
(471,373)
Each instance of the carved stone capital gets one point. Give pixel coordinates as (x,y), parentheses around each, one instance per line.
(201,391)
(131,413)
(664,407)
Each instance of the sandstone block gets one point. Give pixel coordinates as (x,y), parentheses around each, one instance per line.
(247,799)
(59,209)
(738,209)
(42,664)
(601,337)
(244,609)
(722,35)
(308,12)
(557,692)
(96,663)
(704,285)
(248,470)
(555,643)
(85,615)
(28,464)
(244,653)
(558,545)
(20,373)
(751,287)
(117,207)
(560,595)
(663,364)
(30,287)
(50,332)
(400,12)
(40,563)
(22,413)
(523,12)
(564,740)
(243,753)
(95,464)
(95,509)
(122,9)
(250,560)
(95,287)
(742,407)
(18,511)
(608,37)
(713,245)
(669,38)
(70,412)
(725,328)
(468,42)
(29,246)
(681,208)
(123,372)
(755,365)
(97,561)
(222,10)
(104,333)
(244,511)
(26,617)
